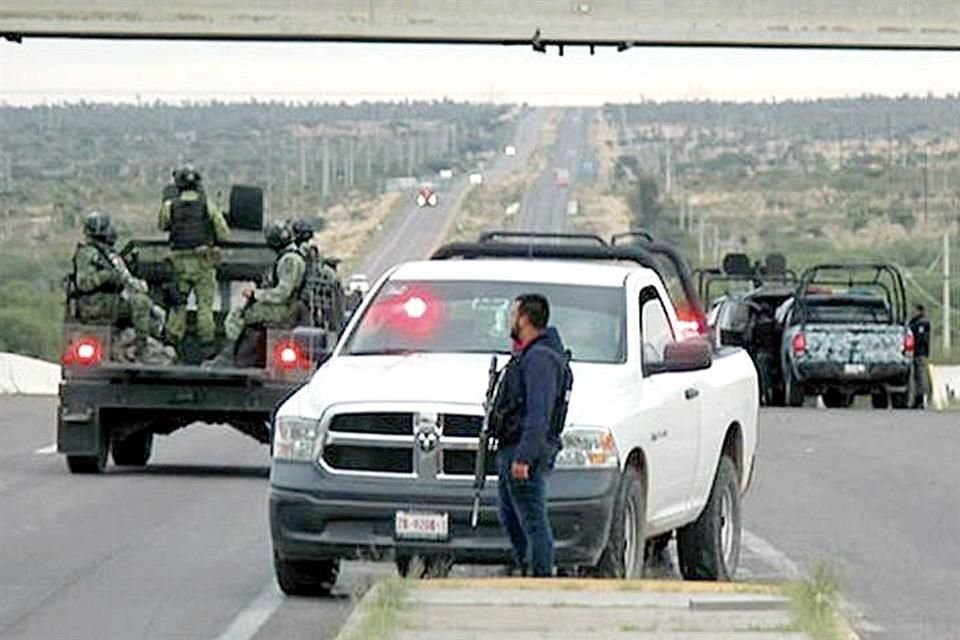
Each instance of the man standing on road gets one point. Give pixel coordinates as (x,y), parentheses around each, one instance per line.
(196,226)
(920,327)
(530,401)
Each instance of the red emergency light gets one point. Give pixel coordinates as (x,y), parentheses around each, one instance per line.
(84,352)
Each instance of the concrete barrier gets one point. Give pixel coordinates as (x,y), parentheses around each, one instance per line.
(945,387)
(27,376)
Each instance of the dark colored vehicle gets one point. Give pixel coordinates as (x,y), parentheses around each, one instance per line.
(844,334)
(108,405)
(745,297)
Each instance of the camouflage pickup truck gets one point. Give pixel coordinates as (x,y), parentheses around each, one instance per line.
(845,334)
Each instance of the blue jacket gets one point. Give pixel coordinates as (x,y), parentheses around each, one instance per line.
(531,384)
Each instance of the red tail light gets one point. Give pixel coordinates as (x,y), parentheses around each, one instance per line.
(286,355)
(84,352)
(909,342)
(799,343)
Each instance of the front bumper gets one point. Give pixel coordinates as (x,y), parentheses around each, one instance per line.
(331,517)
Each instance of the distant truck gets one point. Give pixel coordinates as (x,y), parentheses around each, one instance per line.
(109,406)
(845,333)
(561,176)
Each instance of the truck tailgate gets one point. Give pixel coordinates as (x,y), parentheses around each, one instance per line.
(855,344)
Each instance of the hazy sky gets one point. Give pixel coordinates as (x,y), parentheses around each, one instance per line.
(59,70)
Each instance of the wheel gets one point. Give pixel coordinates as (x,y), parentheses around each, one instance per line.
(792,392)
(134,450)
(709,547)
(95,463)
(837,399)
(623,556)
(418,567)
(879,399)
(306,577)
(658,545)
(899,400)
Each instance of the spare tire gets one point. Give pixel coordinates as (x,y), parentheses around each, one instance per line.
(246,208)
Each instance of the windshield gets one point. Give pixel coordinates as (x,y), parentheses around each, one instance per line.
(847,312)
(474,317)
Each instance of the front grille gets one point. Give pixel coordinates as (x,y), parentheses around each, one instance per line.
(376,459)
(461,463)
(389,424)
(460,426)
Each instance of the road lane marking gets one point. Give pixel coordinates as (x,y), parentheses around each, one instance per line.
(48,450)
(254,615)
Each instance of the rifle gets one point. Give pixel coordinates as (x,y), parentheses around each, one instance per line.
(483,446)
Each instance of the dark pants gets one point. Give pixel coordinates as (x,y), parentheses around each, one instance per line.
(523,513)
(921,384)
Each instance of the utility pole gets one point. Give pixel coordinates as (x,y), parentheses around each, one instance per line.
(325,170)
(946,292)
(716,244)
(668,180)
(702,238)
(926,182)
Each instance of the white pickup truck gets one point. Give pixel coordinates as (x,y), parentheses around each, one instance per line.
(374,457)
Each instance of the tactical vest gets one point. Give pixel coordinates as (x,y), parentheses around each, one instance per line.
(275,278)
(190,225)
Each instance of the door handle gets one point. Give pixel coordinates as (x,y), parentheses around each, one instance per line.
(691,393)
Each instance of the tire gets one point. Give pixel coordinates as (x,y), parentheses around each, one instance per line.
(900,400)
(792,392)
(709,547)
(306,577)
(837,399)
(134,450)
(880,399)
(418,567)
(92,464)
(623,556)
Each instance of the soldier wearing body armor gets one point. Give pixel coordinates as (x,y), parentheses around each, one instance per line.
(276,303)
(196,226)
(105,291)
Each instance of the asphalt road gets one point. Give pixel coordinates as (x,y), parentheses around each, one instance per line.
(545,207)
(181,549)
(875,497)
(416,231)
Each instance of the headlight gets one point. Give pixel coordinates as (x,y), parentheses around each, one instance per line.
(588,448)
(295,438)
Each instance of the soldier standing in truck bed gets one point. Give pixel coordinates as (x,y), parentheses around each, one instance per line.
(196,226)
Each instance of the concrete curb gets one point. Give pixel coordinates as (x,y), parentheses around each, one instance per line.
(355,620)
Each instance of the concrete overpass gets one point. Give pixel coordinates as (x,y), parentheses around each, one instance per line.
(882,24)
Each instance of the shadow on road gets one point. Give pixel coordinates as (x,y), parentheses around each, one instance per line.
(197,471)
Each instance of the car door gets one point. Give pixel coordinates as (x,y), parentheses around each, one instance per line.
(672,405)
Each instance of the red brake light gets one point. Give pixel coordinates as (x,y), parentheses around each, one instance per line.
(799,343)
(84,352)
(909,342)
(286,355)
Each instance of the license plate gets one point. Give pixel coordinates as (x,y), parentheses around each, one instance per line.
(854,369)
(410,525)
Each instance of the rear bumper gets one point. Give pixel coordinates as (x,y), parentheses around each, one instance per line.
(335,520)
(818,375)
(166,404)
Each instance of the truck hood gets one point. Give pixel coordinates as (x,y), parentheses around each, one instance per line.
(430,378)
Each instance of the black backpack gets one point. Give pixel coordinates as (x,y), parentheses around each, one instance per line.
(558,417)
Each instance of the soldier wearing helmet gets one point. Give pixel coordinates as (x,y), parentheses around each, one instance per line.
(105,291)
(277,302)
(196,226)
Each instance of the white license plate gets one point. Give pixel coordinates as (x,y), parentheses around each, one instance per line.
(410,525)
(854,369)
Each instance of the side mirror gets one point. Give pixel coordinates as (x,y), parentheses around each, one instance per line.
(694,354)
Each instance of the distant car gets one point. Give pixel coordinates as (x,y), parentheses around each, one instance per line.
(446,174)
(427,198)
(476,178)
(562,176)
(358,282)
(510,150)
(573,207)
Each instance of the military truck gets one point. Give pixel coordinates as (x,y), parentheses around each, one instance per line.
(109,404)
(845,333)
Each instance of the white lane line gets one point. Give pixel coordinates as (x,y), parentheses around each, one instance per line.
(48,450)
(254,615)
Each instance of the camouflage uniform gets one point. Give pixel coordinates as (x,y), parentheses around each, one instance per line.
(194,268)
(106,291)
(278,303)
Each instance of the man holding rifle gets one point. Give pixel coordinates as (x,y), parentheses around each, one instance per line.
(526,417)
